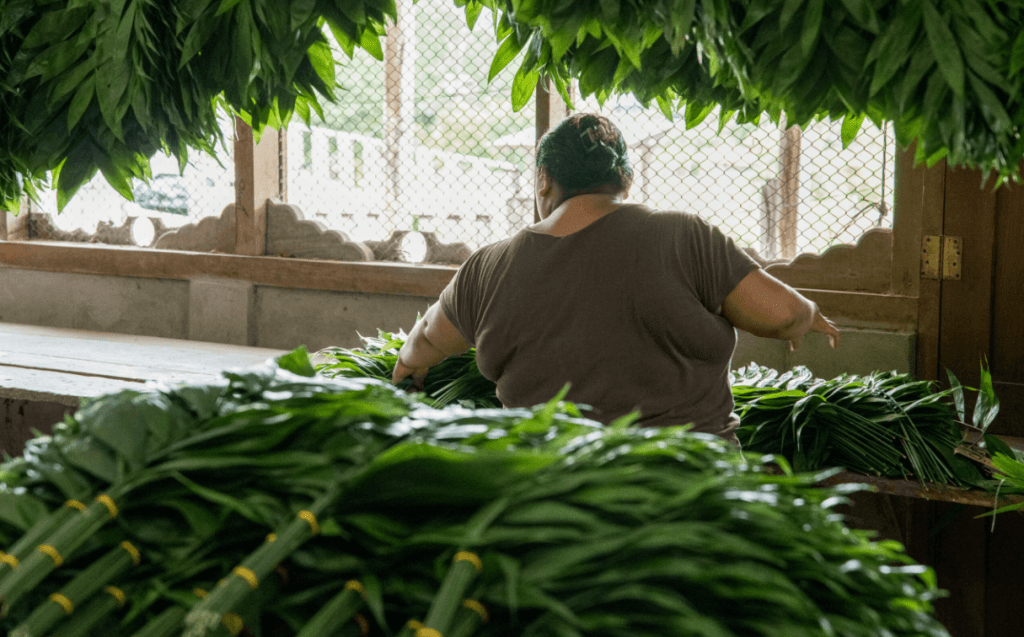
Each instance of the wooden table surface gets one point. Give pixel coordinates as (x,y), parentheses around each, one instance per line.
(930,491)
(48,364)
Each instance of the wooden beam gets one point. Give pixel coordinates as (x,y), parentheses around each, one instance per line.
(856,309)
(925,491)
(306,274)
(930,210)
(789,186)
(551,109)
(908,209)
(257,179)
(965,313)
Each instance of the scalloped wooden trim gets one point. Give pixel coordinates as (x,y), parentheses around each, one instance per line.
(863,267)
(210,234)
(290,234)
(42,227)
(445,253)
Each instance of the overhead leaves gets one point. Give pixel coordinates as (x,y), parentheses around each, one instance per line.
(946,73)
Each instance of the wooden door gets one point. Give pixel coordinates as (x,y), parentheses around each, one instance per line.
(981,316)
(960,323)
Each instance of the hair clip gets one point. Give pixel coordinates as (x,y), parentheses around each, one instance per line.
(586,138)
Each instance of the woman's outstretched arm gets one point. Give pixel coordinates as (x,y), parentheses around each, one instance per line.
(432,340)
(765,306)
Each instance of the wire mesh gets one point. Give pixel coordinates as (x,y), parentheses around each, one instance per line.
(421,142)
(424,142)
(777,203)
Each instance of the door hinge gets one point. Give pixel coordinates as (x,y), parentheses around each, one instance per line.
(941,257)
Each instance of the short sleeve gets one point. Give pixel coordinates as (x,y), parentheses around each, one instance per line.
(460,299)
(718,263)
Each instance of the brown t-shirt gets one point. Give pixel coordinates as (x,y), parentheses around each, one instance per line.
(626,310)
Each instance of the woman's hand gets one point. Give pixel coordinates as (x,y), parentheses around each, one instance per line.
(431,340)
(767,307)
(822,325)
(401,372)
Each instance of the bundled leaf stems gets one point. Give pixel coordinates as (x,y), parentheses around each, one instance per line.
(273,503)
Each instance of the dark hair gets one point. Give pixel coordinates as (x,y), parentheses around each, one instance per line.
(586,152)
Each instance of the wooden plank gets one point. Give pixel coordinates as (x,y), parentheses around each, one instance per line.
(1010,421)
(551,109)
(1007,352)
(257,179)
(122,356)
(864,267)
(933,197)
(36,385)
(81,359)
(960,558)
(925,491)
(908,211)
(1004,588)
(306,274)
(854,309)
(966,307)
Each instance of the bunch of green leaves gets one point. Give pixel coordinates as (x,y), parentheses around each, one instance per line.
(580,529)
(884,423)
(638,531)
(455,379)
(103,85)
(949,74)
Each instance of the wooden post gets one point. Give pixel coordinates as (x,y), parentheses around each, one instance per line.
(257,179)
(551,109)
(643,168)
(771,204)
(399,102)
(789,178)
(3,224)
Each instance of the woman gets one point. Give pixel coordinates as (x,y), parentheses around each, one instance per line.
(636,309)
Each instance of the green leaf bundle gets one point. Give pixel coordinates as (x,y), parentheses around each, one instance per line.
(550,522)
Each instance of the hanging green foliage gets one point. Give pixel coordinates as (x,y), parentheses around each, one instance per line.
(89,85)
(948,73)
(286,505)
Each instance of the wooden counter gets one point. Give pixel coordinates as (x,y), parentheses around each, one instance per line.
(45,371)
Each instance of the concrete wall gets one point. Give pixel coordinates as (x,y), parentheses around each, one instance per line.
(237,312)
(211,310)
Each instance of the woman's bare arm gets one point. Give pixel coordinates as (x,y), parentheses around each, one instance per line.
(432,340)
(765,306)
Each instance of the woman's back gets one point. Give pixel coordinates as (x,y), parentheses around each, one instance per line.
(624,309)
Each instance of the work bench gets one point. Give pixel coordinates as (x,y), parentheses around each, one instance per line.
(46,371)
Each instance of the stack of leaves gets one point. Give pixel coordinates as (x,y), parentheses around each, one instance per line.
(285,505)
(455,379)
(884,423)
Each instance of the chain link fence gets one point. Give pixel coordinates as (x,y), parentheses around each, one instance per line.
(421,142)
(425,143)
(778,192)
(421,149)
